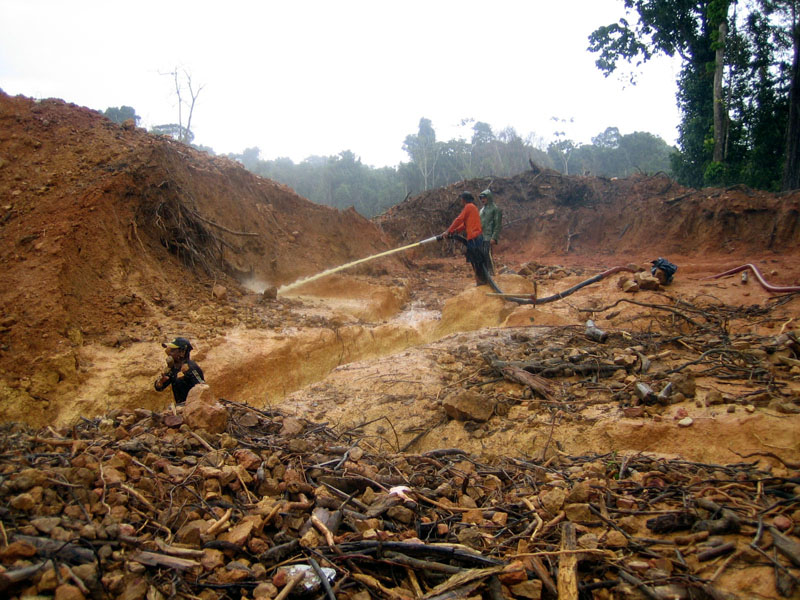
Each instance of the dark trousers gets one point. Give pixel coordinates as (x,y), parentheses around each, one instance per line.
(476,256)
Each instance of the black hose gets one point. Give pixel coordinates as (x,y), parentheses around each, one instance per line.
(574,288)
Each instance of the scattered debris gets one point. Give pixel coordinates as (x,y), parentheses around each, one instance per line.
(130,507)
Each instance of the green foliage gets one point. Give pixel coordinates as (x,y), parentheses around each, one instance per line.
(121,114)
(343,180)
(614,155)
(560,151)
(715,174)
(758,47)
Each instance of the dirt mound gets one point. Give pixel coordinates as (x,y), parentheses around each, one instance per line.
(112,235)
(548,214)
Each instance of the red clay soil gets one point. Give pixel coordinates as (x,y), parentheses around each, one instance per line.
(112,237)
(107,230)
(571,219)
(113,240)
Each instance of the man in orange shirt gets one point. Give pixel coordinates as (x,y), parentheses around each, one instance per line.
(469,222)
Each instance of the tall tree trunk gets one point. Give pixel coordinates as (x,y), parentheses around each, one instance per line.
(791,168)
(720,112)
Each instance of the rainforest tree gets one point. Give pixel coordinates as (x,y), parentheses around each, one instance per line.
(732,130)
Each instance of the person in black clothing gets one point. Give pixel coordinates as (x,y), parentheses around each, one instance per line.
(181,372)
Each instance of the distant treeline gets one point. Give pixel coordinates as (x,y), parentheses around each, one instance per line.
(343,180)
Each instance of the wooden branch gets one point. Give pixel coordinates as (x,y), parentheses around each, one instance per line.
(220,523)
(61,550)
(14,576)
(568,564)
(535,382)
(178,551)
(382,590)
(462,580)
(154,559)
(789,548)
(419,564)
(543,574)
(223,228)
(290,585)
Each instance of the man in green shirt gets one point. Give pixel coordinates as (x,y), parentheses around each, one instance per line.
(491,222)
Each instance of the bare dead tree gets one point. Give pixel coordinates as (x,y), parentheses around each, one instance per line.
(185,132)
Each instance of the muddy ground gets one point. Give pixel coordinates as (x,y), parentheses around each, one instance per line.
(113,241)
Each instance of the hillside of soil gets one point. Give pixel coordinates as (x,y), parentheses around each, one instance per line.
(547,214)
(111,235)
(500,411)
(113,239)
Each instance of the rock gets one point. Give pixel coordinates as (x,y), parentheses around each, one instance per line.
(588,541)
(401,513)
(500,518)
(247,458)
(270,293)
(686,422)
(580,492)
(191,532)
(264,591)
(292,427)
(531,589)
(788,408)
(212,559)
(171,420)
(625,360)
(27,479)
(713,398)
(135,589)
(470,536)
(633,412)
(220,292)
(553,500)
(629,524)
(580,513)
(638,565)
(24,501)
(468,405)
(239,533)
(645,281)
(203,411)
(17,550)
(46,524)
(513,573)
(615,539)
(629,286)
(782,523)
(67,591)
(684,384)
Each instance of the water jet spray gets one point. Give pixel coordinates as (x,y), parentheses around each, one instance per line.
(285,288)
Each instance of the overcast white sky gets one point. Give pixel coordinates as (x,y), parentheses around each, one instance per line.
(303,77)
